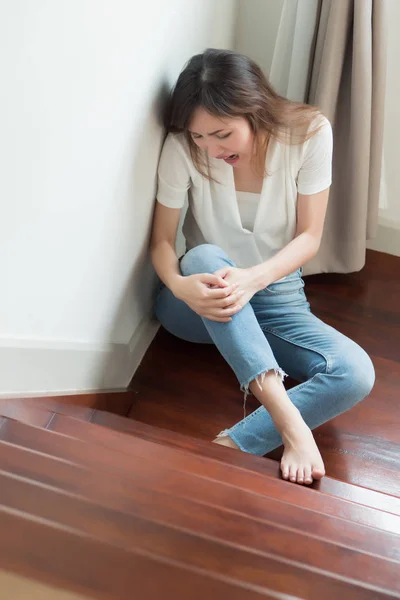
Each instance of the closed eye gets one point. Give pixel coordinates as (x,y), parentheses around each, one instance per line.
(220,137)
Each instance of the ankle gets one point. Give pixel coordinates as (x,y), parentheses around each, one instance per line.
(288,421)
(293,431)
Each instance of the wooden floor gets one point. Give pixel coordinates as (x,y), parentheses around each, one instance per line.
(188,388)
(93,504)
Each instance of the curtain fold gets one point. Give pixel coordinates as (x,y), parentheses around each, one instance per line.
(332,53)
(348,84)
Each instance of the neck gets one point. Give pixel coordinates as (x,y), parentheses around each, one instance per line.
(256,160)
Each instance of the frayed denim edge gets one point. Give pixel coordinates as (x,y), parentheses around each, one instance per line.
(245,387)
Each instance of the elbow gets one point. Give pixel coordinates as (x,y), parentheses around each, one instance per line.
(313,242)
(153,245)
(154,241)
(316,245)
(158,244)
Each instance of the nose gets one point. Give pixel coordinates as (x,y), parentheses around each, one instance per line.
(216,152)
(213,149)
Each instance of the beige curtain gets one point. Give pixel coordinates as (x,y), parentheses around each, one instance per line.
(347,81)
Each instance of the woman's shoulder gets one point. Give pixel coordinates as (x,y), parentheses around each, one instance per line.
(177,142)
(307,136)
(320,125)
(320,135)
(314,125)
(175,154)
(176,151)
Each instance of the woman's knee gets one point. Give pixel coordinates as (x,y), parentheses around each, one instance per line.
(356,370)
(205,258)
(179,319)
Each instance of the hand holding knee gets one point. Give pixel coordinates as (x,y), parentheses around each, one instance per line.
(245,278)
(210,296)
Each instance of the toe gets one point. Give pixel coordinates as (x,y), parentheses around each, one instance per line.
(285,470)
(300,476)
(318,472)
(307,475)
(293,473)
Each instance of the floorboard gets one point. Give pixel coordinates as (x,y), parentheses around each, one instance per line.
(188,388)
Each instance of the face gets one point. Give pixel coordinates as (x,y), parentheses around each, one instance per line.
(222,137)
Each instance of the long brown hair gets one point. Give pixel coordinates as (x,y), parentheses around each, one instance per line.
(228,84)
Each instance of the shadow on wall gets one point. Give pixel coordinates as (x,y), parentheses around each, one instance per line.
(136,299)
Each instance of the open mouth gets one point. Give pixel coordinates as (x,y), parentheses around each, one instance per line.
(232,157)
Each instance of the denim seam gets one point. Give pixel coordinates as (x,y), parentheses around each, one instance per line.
(286,339)
(273,293)
(300,386)
(287,280)
(245,421)
(238,443)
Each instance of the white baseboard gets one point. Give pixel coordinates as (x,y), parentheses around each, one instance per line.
(44,367)
(387,239)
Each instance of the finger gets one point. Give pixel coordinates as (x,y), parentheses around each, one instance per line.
(209,278)
(231,300)
(222,272)
(232,310)
(225,292)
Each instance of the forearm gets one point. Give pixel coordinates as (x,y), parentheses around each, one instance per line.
(166,264)
(289,259)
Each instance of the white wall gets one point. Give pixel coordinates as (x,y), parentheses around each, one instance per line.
(82,82)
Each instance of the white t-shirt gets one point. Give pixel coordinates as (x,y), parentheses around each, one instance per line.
(248,206)
(213,214)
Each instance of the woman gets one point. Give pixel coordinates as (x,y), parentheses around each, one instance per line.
(257,170)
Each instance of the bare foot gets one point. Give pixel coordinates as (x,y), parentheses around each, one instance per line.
(226,441)
(301,461)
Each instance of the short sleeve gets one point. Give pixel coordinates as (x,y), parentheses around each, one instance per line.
(173,174)
(315,174)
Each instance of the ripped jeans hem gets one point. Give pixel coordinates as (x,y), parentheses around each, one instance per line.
(245,387)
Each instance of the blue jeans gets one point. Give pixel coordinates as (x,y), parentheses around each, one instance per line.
(275,330)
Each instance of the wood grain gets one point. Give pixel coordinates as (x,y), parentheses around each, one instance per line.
(363,445)
(294,556)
